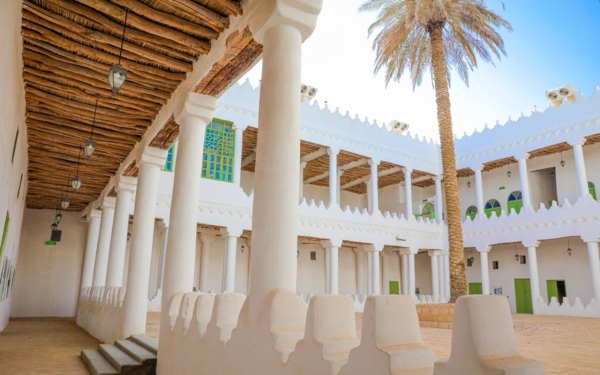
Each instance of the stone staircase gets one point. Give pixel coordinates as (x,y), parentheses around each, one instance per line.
(134,356)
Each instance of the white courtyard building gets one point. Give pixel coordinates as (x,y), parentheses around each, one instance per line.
(222,205)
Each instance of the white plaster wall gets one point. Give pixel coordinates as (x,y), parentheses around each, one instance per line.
(389,198)
(48,277)
(347,271)
(216,249)
(390,271)
(423,273)
(311,273)
(12,117)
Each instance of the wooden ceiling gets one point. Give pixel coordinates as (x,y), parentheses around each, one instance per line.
(69,47)
(320,165)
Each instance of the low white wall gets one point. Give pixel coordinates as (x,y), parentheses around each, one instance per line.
(48,277)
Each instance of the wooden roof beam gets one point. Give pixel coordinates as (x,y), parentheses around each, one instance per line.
(249,159)
(359,181)
(344,167)
(314,155)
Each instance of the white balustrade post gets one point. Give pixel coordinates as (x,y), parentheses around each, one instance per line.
(135,304)
(205,240)
(594,259)
(333,178)
(405,289)
(533,272)
(408,192)
(301,184)
(374,187)
(485,268)
(281,27)
(479,191)
(87,274)
(118,241)
(237,160)
(360,271)
(524,179)
(580,168)
(103,248)
(193,117)
(435,282)
(439,207)
(229,261)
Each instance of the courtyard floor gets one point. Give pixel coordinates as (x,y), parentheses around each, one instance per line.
(565,345)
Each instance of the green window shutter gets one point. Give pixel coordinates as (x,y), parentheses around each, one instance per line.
(552,286)
(394,287)
(219,150)
(170,159)
(475,288)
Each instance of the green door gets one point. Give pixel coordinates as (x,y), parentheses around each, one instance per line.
(475,288)
(394,287)
(523,296)
(552,289)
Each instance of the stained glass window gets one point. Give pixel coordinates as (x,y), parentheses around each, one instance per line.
(170,160)
(219,149)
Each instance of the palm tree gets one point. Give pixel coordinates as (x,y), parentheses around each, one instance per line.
(438,35)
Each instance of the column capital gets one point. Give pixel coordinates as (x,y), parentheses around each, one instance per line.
(408,251)
(478,168)
(483,248)
(151,155)
(438,178)
(334,242)
(523,156)
(373,161)
(162,225)
(303,164)
(531,243)
(206,238)
(434,253)
(267,14)
(333,151)
(196,106)
(109,202)
(94,214)
(407,171)
(231,232)
(372,247)
(126,183)
(579,142)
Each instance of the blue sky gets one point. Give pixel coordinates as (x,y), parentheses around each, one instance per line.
(554,42)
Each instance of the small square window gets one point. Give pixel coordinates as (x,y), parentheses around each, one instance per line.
(313,255)
(523,259)
(495,265)
(469,262)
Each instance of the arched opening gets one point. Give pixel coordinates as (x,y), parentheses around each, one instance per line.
(492,206)
(592,190)
(428,211)
(471,212)
(515,202)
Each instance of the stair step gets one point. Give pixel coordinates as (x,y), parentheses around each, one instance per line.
(136,351)
(97,364)
(148,343)
(120,360)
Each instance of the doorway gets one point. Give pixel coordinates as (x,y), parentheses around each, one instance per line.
(523,296)
(556,288)
(394,287)
(475,288)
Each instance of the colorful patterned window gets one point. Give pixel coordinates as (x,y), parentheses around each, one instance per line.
(471,212)
(515,202)
(428,211)
(592,190)
(219,149)
(492,206)
(170,162)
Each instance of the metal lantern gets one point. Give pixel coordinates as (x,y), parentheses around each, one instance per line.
(76,183)
(89,148)
(569,251)
(242,248)
(469,184)
(516,253)
(472,260)
(128,236)
(54,226)
(64,204)
(509,173)
(562,161)
(116,77)
(58,218)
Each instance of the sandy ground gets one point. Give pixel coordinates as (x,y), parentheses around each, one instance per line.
(565,345)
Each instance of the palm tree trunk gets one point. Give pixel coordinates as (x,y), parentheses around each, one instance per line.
(458,279)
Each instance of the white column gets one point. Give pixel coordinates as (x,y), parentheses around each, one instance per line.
(332,248)
(333,176)
(367,181)
(376,274)
(360,271)
(369,271)
(163,254)
(485,268)
(103,248)
(385,278)
(237,160)
(91,245)
(301,176)
(524,178)
(135,304)
(405,289)
(273,263)
(439,207)
(338,176)
(327,271)
(408,192)
(580,168)
(533,272)
(374,186)
(192,118)
(594,259)
(410,253)
(447,275)
(118,241)
(479,191)
(229,261)
(205,240)
(435,282)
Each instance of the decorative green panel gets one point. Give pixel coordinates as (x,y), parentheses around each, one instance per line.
(219,150)
(475,288)
(394,287)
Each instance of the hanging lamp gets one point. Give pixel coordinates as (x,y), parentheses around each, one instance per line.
(516,253)
(469,182)
(54,226)
(90,144)
(569,251)
(76,181)
(58,218)
(64,204)
(117,74)
(509,173)
(562,161)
